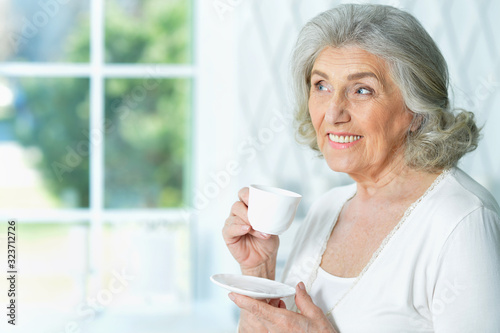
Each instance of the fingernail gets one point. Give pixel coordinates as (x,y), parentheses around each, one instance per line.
(245,227)
(231,296)
(264,235)
(302,286)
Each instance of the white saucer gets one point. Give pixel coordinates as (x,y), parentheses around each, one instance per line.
(258,288)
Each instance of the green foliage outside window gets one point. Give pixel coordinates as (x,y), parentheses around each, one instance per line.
(145,119)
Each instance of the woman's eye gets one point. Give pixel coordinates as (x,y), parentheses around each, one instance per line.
(363,91)
(320,86)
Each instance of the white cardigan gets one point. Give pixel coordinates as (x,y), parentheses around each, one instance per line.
(439,272)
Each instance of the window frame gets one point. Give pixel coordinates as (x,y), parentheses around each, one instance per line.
(97,70)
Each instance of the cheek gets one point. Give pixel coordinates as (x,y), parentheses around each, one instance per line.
(401,125)
(315,114)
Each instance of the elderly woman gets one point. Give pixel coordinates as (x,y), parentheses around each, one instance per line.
(414,244)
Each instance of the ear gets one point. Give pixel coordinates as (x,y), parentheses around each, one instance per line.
(416,122)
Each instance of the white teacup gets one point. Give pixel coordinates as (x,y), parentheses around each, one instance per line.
(270,209)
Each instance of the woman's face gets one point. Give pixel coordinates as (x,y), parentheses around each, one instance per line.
(358,112)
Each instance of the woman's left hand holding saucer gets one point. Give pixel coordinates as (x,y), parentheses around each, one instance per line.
(276,318)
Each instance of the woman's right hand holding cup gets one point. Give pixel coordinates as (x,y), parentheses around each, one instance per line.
(254,251)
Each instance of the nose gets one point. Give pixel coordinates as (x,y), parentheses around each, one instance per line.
(336,111)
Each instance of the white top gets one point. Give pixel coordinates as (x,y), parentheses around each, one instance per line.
(327,289)
(439,272)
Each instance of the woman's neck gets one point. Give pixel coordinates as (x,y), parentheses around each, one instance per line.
(396,184)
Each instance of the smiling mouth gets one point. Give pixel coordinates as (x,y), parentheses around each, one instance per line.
(344,139)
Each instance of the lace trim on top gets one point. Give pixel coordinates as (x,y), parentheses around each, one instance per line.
(386,240)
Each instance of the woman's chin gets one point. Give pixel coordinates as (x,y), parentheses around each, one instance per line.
(340,166)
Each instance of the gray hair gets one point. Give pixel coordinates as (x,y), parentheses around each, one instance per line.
(416,65)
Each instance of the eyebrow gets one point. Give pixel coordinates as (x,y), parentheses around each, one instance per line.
(320,73)
(350,77)
(357,76)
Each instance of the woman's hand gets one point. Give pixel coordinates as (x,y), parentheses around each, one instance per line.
(277,319)
(254,251)
(251,324)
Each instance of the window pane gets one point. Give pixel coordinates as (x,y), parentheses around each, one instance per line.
(47,30)
(145,276)
(44,142)
(52,272)
(155,256)
(145,147)
(148,31)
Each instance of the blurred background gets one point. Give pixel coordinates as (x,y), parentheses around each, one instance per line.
(127,128)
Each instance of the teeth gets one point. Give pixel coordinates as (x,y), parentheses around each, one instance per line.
(344,139)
